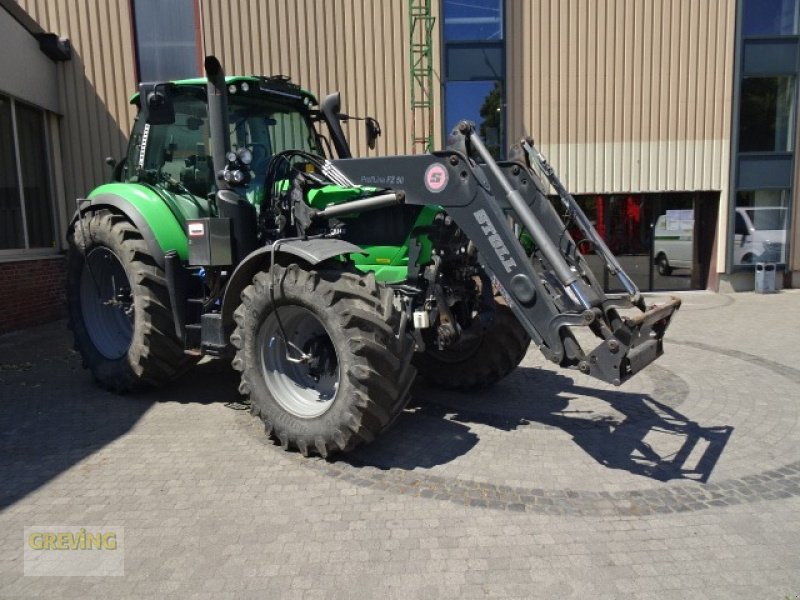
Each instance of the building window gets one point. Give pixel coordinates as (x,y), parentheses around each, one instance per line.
(166,39)
(10,204)
(766,114)
(770,17)
(480,102)
(26,204)
(475,68)
(763,163)
(32,146)
(657,238)
(473,20)
(760,227)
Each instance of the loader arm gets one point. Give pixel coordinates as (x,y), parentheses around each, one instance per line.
(551,290)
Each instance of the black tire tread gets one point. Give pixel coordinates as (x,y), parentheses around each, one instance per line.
(501,350)
(155,356)
(381,373)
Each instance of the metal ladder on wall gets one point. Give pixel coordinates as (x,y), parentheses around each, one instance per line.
(420,28)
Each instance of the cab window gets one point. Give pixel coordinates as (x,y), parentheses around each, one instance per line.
(180,152)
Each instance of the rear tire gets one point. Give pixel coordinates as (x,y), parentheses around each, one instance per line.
(362,376)
(480,363)
(125,334)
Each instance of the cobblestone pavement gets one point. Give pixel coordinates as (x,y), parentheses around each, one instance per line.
(684,483)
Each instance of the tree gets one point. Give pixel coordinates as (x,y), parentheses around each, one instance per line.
(492,115)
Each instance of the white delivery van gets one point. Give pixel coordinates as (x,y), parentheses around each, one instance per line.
(673,247)
(759,234)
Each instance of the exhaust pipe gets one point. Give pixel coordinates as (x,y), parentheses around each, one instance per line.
(217,118)
(230,205)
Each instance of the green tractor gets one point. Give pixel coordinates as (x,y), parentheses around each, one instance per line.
(240,226)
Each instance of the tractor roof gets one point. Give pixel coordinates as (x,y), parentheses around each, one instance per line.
(277,83)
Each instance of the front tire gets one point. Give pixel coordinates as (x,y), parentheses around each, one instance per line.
(478,363)
(360,376)
(118,306)
(662,264)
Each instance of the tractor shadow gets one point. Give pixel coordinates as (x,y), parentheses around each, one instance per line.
(415,442)
(633,432)
(53,415)
(210,382)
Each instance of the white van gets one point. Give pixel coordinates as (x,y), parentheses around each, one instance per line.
(759,235)
(673,241)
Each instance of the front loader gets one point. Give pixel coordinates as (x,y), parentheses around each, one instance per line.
(236,229)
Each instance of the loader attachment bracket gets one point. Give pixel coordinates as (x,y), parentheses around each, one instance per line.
(633,346)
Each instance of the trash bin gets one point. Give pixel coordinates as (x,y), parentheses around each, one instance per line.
(765,278)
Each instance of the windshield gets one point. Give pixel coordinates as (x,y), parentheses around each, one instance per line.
(180,152)
(767,219)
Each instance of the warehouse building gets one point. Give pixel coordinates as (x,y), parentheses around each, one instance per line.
(674,122)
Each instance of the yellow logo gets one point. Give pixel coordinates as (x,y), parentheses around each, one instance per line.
(89,550)
(79,540)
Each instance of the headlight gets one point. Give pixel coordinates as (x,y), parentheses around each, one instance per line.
(245,156)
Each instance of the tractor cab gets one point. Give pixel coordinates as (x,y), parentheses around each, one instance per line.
(170,145)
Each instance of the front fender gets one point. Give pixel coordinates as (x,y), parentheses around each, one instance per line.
(312,252)
(160,228)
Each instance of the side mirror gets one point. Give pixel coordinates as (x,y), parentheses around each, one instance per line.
(117,167)
(373,131)
(330,113)
(155,103)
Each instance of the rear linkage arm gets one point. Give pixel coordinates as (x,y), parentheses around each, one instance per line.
(562,293)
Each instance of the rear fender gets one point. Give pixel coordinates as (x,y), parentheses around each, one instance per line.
(148,212)
(311,252)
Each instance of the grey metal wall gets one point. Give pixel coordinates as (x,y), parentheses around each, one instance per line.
(357,46)
(626,95)
(94,87)
(25,72)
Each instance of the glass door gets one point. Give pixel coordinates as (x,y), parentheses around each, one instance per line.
(674,248)
(652,235)
(628,232)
